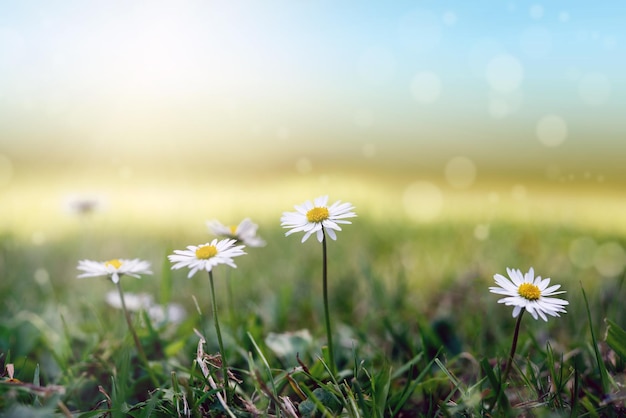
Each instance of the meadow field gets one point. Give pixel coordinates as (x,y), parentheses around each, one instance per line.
(416,330)
(477,147)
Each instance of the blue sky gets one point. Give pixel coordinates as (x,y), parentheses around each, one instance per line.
(294,77)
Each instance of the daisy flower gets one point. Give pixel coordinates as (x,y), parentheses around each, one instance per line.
(114,269)
(525,291)
(244,233)
(317,218)
(206,256)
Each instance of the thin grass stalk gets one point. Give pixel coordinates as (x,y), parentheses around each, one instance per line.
(509,362)
(329,333)
(140,352)
(219,337)
(231,302)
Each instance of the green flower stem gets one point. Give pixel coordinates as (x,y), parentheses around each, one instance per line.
(329,333)
(140,352)
(509,362)
(231,302)
(219,337)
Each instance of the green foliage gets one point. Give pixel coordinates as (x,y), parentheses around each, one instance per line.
(416,332)
(616,339)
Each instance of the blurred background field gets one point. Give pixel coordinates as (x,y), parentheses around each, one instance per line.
(469,137)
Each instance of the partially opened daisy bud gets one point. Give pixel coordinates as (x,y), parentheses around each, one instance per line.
(317,218)
(244,233)
(530,293)
(206,256)
(114,269)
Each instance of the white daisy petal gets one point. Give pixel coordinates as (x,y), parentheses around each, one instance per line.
(206,256)
(113,269)
(317,218)
(527,292)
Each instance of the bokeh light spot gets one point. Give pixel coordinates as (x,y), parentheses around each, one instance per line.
(609,42)
(481,53)
(504,73)
(481,232)
(610,259)
(423,201)
(551,130)
(460,172)
(536,11)
(582,251)
(426,87)
(38,238)
(450,18)
(594,89)
(42,277)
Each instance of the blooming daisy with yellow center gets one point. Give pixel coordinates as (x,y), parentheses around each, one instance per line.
(114,269)
(245,232)
(525,291)
(317,217)
(206,256)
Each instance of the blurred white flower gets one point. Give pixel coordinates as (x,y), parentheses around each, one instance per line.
(134,301)
(206,256)
(317,218)
(245,233)
(530,293)
(171,313)
(114,269)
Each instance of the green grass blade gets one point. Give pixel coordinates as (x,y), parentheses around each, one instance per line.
(266,364)
(616,338)
(406,395)
(496,384)
(380,386)
(166,282)
(36,380)
(604,375)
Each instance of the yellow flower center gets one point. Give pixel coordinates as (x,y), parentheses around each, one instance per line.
(317,215)
(206,252)
(233,230)
(115,263)
(529,291)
